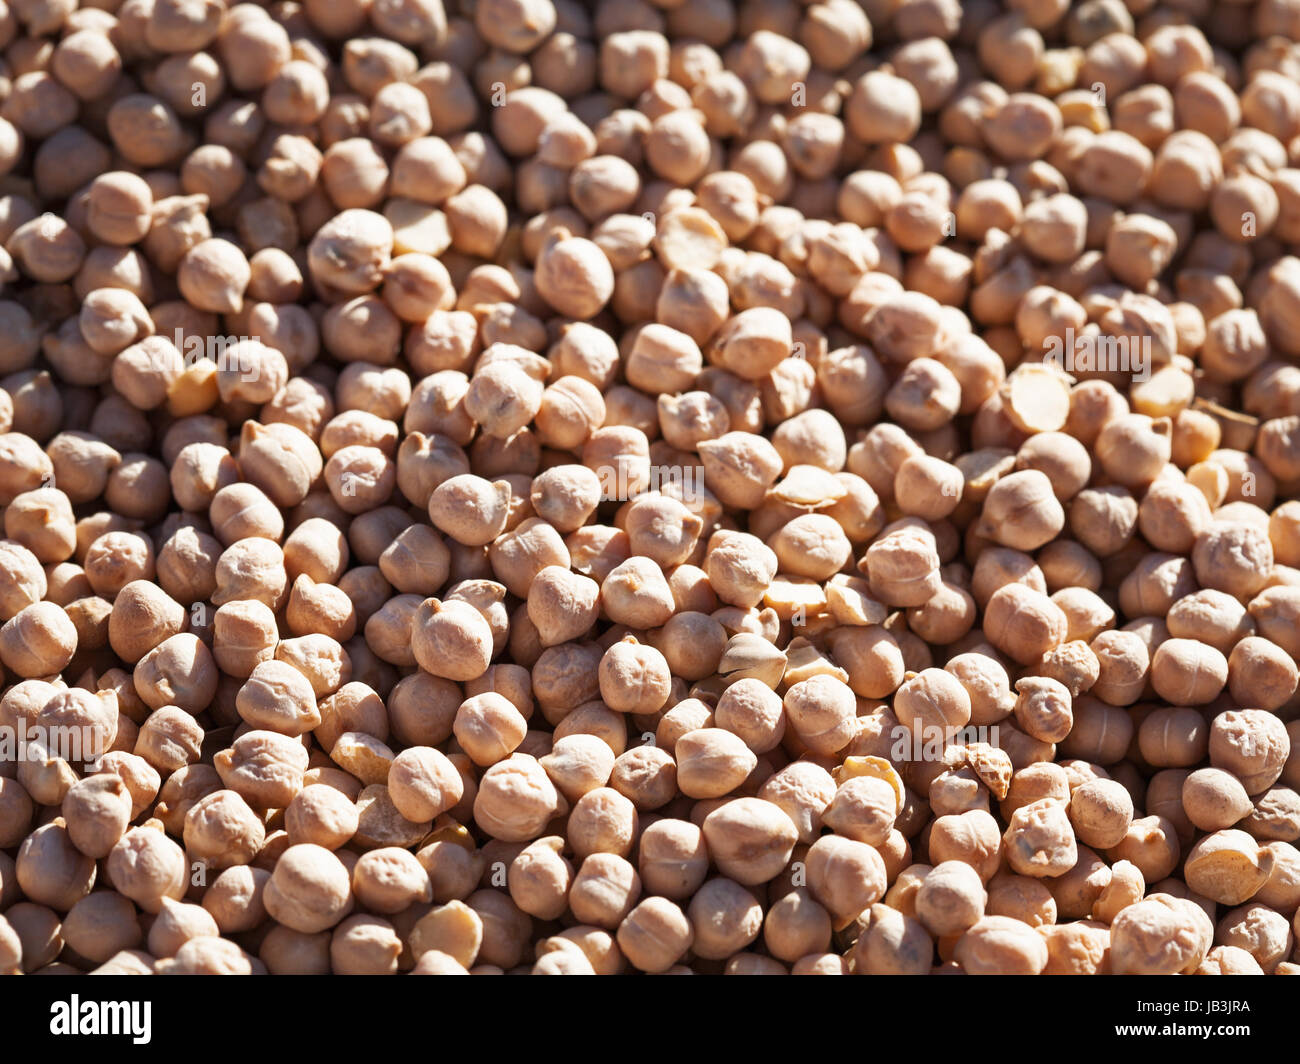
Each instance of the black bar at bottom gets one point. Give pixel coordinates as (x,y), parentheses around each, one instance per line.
(150,1014)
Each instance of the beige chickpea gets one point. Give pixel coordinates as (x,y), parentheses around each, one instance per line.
(1260,674)
(1100,811)
(244,634)
(222,831)
(423,783)
(515,799)
(119,206)
(1152,845)
(418,498)
(673,858)
(1040,840)
(42,522)
(1023,623)
(950,899)
(1227,866)
(750,840)
(925,396)
(1022,511)
(654,935)
(38,640)
(451,639)
(1251,744)
(470,509)
(602,821)
(972,836)
(712,762)
(309,890)
(179,671)
(892,943)
(845,876)
(1043,708)
(1001,945)
(488,728)
(97,810)
(264,768)
(322,815)
(739,467)
(822,710)
(751,710)
(539,878)
(1214,799)
(1187,672)
(146,866)
(634,678)
(796,924)
(1259,932)
(562,604)
(803,791)
(389,879)
(577,764)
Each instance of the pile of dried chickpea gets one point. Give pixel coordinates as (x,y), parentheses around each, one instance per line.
(667,486)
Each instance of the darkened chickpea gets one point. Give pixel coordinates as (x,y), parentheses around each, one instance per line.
(1172,737)
(137,488)
(101,924)
(118,208)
